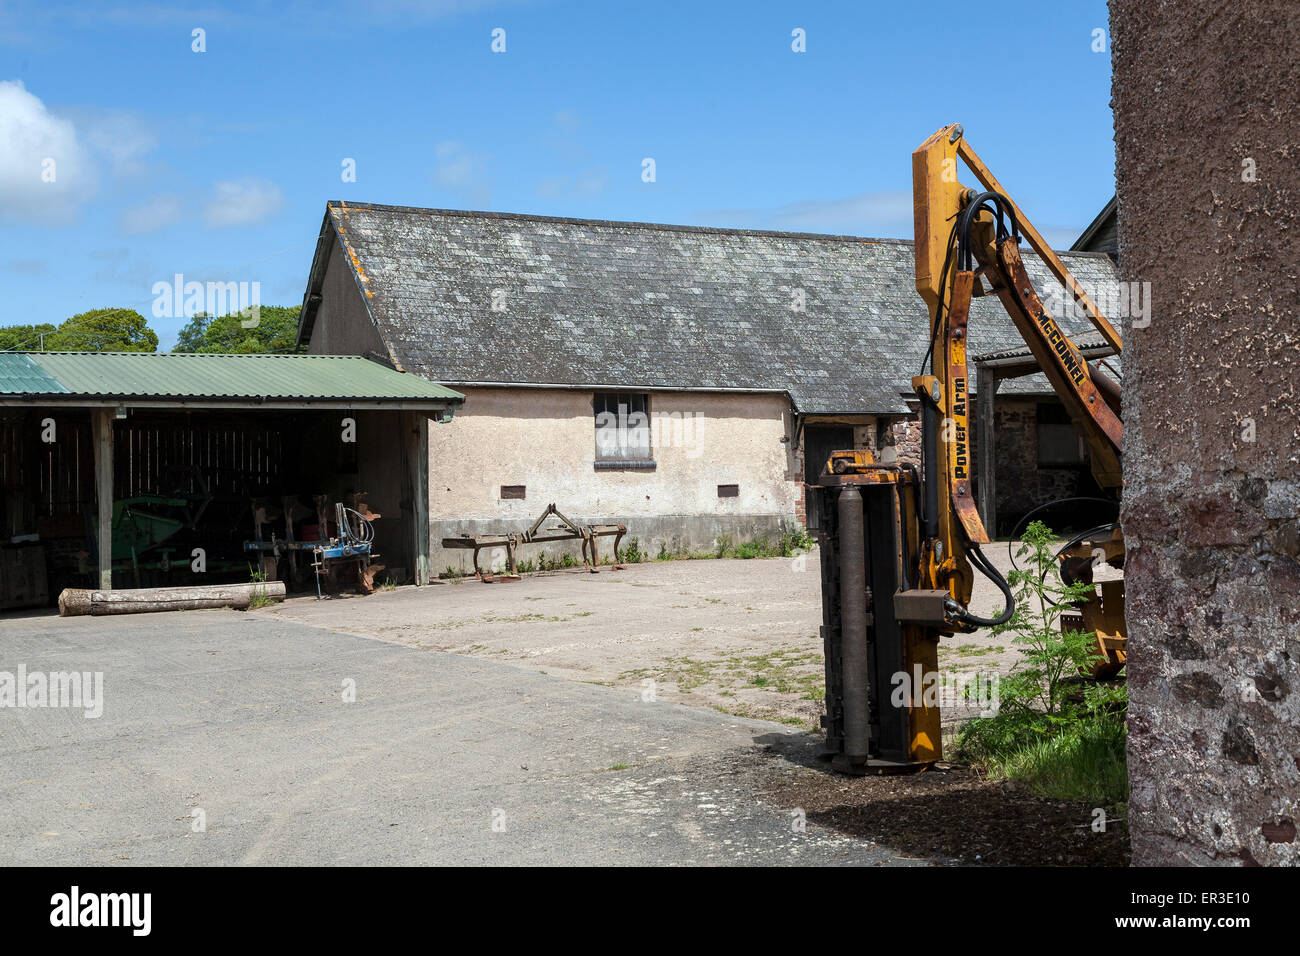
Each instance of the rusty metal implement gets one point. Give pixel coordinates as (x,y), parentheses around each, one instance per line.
(563,530)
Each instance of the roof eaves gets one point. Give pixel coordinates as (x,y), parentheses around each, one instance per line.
(315,279)
(1094,227)
(609,223)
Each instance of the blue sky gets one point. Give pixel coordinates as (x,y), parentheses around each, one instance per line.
(217,165)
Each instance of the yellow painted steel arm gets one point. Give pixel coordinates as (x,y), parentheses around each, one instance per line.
(948,284)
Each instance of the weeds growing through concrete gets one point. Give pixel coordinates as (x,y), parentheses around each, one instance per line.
(1055,732)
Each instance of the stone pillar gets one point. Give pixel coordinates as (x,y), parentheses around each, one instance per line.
(1206,97)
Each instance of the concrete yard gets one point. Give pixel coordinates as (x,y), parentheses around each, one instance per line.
(662,714)
(738,636)
(241,716)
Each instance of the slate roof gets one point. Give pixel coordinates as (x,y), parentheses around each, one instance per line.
(594,303)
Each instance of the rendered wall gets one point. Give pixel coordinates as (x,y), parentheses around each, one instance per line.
(545,440)
(1206,96)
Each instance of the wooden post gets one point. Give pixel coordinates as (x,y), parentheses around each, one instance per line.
(986,388)
(101,421)
(416,444)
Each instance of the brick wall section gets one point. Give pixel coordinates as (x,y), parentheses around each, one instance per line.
(905,436)
(1212,434)
(797,474)
(864,436)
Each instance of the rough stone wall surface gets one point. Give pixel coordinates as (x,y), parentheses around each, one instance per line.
(905,436)
(1021,484)
(1206,96)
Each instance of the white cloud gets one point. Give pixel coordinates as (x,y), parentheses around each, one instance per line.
(591,182)
(117,266)
(567,120)
(460,171)
(120,135)
(455,166)
(28,267)
(887,212)
(45,170)
(157,213)
(242,202)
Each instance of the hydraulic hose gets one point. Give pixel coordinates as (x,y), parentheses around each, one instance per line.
(985,567)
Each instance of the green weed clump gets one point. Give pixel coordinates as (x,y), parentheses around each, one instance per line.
(1055,732)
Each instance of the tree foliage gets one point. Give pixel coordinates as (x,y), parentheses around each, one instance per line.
(24,338)
(97,330)
(276,330)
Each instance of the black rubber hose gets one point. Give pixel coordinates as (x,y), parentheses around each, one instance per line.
(1024,522)
(986,568)
(1099,529)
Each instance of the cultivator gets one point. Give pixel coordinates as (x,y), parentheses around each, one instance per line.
(563,530)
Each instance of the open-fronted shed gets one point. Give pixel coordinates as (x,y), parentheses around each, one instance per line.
(127,468)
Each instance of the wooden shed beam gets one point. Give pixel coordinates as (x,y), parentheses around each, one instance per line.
(416,447)
(986,387)
(101,421)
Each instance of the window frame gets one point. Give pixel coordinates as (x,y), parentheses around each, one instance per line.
(625,454)
(1048,415)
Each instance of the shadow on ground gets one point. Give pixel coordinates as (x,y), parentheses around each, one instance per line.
(947,812)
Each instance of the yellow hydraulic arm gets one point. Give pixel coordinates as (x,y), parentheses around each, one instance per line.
(900,548)
(967,244)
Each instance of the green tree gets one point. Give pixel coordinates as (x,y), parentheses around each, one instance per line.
(23,338)
(190,337)
(276,331)
(104,330)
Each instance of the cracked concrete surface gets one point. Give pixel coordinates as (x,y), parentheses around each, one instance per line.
(441,758)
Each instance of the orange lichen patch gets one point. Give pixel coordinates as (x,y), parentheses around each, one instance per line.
(352,253)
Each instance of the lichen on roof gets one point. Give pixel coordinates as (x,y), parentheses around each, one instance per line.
(472,297)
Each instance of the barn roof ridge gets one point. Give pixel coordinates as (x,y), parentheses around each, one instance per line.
(834,321)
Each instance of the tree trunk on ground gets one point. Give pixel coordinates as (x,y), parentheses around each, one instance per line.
(73,602)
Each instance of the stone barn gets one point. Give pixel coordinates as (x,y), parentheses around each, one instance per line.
(683,380)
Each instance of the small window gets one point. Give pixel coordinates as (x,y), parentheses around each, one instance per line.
(728,491)
(623,429)
(1059,445)
(513,492)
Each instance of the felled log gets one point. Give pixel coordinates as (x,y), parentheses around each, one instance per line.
(77,601)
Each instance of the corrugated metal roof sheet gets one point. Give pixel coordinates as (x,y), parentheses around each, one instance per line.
(178,375)
(1080,342)
(1037,383)
(20,374)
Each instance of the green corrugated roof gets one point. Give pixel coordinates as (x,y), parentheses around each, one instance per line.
(19,374)
(180,375)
